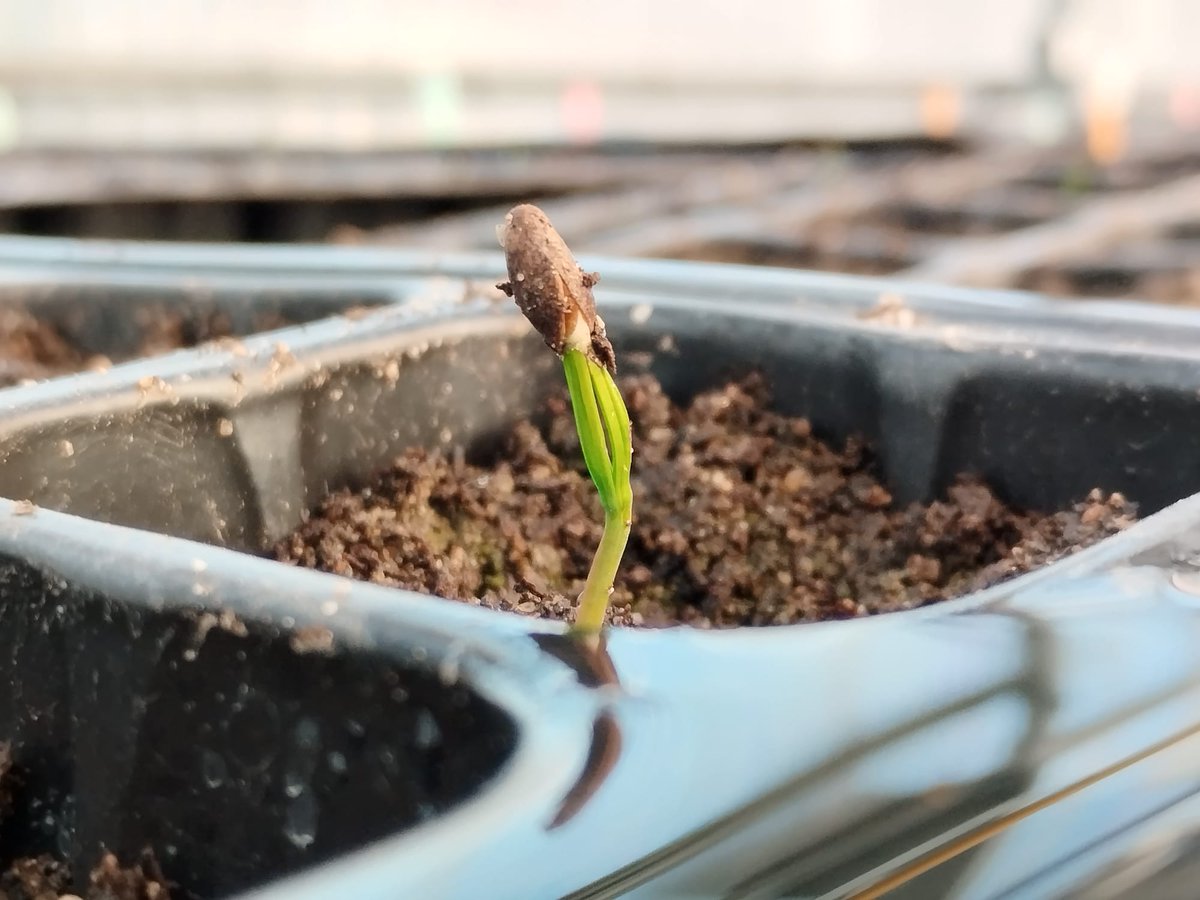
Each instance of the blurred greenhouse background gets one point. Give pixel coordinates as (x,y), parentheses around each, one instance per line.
(1044,144)
(377,73)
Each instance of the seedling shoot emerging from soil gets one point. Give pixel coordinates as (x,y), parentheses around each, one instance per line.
(556,297)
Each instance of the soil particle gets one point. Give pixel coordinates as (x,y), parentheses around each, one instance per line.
(45,878)
(141,881)
(742,516)
(892,311)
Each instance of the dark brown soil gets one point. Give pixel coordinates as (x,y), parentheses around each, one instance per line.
(45,878)
(32,349)
(741,517)
(857,246)
(1174,287)
(8,781)
(881,242)
(878,260)
(164,330)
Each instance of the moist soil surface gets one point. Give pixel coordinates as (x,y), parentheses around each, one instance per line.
(879,243)
(1174,287)
(32,349)
(45,878)
(742,516)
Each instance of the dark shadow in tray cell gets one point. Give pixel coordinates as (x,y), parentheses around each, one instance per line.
(232,750)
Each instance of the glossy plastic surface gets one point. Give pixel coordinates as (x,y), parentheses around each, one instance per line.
(1017,743)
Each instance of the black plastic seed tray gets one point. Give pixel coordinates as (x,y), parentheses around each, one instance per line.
(992,216)
(64,312)
(314,196)
(763,198)
(1164,267)
(299,735)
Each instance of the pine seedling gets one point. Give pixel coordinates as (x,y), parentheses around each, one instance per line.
(556,297)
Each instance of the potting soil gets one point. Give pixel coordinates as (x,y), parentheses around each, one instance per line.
(45,878)
(742,516)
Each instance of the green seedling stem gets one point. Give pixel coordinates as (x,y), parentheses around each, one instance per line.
(556,297)
(603,425)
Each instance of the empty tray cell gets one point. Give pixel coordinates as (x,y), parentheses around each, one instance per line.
(235,753)
(994,211)
(1086,177)
(1081,280)
(794,256)
(1186,231)
(858,247)
(1158,270)
(49,331)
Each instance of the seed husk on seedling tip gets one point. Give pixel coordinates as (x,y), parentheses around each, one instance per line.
(555,295)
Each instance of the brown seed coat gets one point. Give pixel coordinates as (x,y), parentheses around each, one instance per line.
(551,289)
